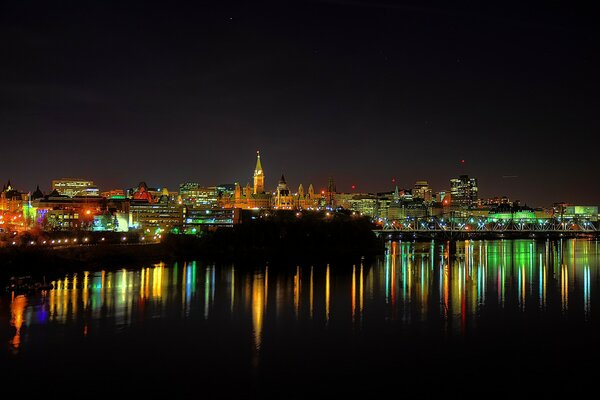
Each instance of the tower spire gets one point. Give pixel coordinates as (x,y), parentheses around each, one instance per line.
(258,164)
(259,176)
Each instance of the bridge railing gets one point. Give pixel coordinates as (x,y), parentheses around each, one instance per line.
(440,224)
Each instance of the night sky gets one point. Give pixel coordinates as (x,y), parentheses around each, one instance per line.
(167,92)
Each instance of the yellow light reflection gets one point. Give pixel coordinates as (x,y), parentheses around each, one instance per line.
(353,293)
(311,292)
(327,294)
(258,308)
(297,289)
(17,309)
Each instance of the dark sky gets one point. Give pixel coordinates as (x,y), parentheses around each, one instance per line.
(168,92)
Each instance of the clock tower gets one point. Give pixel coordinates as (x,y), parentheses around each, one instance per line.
(259,176)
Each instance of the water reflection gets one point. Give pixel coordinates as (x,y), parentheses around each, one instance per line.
(450,285)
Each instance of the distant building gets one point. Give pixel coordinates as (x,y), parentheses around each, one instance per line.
(422,191)
(284,200)
(193,194)
(507,212)
(12,200)
(74,187)
(143,193)
(343,200)
(589,213)
(163,214)
(61,213)
(196,220)
(259,176)
(364,203)
(307,201)
(16,213)
(114,193)
(464,191)
(249,196)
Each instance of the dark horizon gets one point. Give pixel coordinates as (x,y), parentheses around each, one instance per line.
(362,92)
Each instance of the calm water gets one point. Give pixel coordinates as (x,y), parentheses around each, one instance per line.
(480,316)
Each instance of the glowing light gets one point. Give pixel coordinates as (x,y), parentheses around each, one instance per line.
(258,308)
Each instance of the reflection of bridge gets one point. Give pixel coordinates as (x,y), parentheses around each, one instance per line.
(487,227)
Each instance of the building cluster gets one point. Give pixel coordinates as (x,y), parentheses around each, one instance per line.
(78,204)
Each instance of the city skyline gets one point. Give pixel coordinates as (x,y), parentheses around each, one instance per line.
(360,92)
(271,185)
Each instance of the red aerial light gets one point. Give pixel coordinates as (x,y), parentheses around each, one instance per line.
(353,187)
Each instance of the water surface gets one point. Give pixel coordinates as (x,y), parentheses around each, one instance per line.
(466,316)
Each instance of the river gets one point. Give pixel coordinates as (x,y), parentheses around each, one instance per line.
(456,317)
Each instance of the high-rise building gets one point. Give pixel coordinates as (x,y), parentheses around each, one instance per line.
(422,191)
(463,191)
(73,187)
(259,176)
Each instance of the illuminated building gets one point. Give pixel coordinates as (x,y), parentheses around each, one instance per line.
(193,194)
(114,193)
(196,220)
(12,200)
(249,196)
(494,201)
(508,212)
(307,201)
(73,187)
(164,214)
(589,213)
(142,193)
(343,200)
(259,176)
(283,197)
(60,212)
(400,211)
(15,209)
(422,191)
(464,191)
(364,203)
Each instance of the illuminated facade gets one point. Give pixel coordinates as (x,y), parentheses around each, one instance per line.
(586,212)
(12,200)
(73,187)
(16,213)
(283,197)
(422,191)
(114,193)
(193,194)
(163,214)
(59,212)
(249,196)
(259,176)
(196,220)
(464,191)
(307,201)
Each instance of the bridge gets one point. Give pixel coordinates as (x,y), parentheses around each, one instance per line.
(480,227)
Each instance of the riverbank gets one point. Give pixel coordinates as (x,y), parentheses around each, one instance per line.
(276,240)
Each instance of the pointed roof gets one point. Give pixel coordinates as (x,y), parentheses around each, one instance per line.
(37,194)
(282,180)
(258,164)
